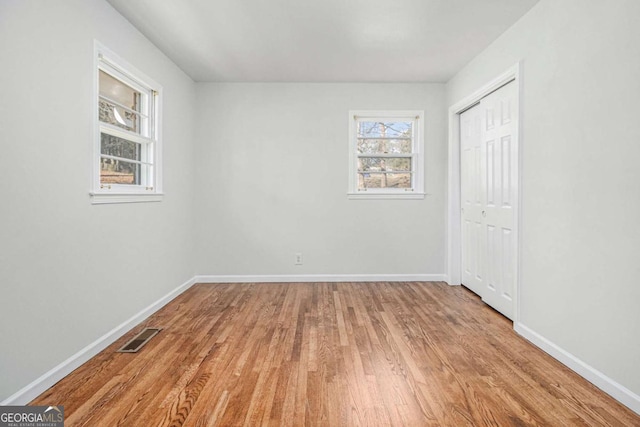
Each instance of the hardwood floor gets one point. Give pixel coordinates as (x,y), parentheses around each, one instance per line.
(331,354)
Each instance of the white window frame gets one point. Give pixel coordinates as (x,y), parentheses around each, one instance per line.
(417,155)
(150,189)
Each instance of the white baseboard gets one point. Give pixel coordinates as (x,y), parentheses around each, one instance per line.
(597,378)
(288,278)
(40,385)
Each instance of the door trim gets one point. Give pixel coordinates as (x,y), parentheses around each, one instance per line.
(454,217)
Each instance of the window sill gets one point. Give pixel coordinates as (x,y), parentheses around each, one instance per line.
(108,198)
(389,196)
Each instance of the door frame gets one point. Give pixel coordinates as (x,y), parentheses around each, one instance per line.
(454,215)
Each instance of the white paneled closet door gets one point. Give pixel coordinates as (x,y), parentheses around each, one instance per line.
(489,165)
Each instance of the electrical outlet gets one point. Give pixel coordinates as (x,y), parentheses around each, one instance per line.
(297,259)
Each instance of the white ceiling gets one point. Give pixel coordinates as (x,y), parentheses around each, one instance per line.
(322,40)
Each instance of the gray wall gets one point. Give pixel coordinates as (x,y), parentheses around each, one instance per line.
(580,233)
(71,271)
(272,172)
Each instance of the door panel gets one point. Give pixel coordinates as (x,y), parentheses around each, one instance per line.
(472,199)
(491,168)
(489,183)
(506,171)
(492,254)
(499,134)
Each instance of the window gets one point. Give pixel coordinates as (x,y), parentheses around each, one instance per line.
(127,142)
(385,155)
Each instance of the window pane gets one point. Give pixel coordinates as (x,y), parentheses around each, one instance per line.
(382,180)
(398,129)
(118,91)
(373,164)
(384,146)
(122,94)
(118,116)
(119,172)
(114,146)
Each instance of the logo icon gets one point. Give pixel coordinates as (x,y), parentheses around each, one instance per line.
(32,416)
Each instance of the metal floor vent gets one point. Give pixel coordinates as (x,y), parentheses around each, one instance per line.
(139,340)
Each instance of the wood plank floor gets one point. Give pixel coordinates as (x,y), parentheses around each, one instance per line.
(331,354)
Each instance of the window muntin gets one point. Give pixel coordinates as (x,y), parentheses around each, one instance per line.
(386,154)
